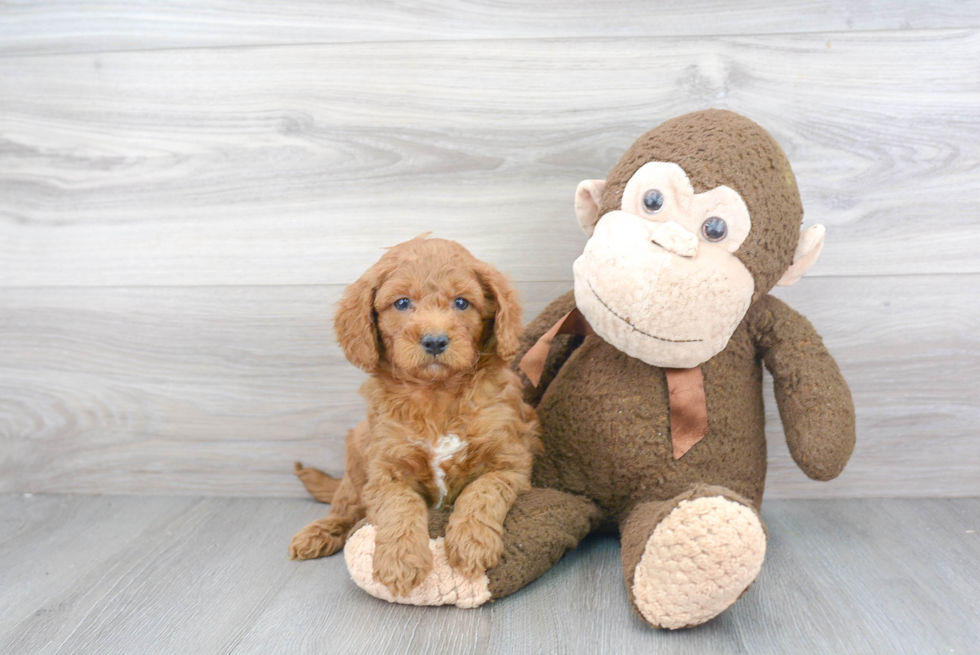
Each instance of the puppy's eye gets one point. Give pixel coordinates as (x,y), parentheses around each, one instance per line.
(714,229)
(402,304)
(461,303)
(653,201)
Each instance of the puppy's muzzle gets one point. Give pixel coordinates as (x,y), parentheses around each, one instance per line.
(434,343)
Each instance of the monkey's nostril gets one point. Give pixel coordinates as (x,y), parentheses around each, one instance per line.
(434,343)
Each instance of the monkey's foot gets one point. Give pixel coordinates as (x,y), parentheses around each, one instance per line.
(444,585)
(699,560)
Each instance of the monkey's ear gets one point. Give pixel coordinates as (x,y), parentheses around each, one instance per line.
(355,322)
(588,195)
(807,251)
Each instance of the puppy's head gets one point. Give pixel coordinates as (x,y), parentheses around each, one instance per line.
(430,310)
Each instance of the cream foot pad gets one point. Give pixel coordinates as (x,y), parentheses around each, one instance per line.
(698,561)
(443,586)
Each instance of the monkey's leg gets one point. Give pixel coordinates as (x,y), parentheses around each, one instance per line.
(541,526)
(688,559)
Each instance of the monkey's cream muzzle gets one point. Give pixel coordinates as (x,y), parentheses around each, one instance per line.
(675,239)
(658,293)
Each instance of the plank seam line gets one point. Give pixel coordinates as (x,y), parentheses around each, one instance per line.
(35,287)
(821,34)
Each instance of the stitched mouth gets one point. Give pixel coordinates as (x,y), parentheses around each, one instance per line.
(636,329)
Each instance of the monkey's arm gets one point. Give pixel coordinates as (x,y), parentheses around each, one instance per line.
(561,347)
(814,402)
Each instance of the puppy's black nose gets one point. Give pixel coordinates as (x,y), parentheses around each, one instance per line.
(434,343)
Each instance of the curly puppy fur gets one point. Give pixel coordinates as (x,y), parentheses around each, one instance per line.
(443,426)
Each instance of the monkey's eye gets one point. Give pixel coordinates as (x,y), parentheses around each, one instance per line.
(461,303)
(402,304)
(653,201)
(714,229)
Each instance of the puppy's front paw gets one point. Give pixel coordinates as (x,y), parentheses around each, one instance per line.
(318,539)
(443,586)
(402,564)
(472,546)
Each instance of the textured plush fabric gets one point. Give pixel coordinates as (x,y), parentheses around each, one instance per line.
(605,415)
(685,208)
(608,458)
(813,398)
(697,562)
(542,525)
(722,148)
(726,559)
(443,585)
(606,427)
(638,295)
(807,251)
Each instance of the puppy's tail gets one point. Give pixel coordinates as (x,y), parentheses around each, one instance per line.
(320,485)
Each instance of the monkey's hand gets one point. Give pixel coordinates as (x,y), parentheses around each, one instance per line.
(814,401)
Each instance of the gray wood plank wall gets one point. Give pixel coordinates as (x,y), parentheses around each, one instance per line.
(186,189)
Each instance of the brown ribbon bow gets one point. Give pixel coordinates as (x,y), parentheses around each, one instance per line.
(688,408)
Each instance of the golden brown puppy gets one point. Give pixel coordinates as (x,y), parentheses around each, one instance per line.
(436,329)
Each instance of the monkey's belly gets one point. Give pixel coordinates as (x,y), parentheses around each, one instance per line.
(606,429)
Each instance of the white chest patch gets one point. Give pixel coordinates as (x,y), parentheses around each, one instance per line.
(445,449)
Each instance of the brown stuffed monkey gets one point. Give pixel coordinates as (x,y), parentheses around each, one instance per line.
(647,379)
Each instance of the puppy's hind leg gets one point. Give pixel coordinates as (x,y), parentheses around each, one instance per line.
(327,536)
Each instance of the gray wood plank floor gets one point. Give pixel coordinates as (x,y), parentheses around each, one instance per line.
(103,574)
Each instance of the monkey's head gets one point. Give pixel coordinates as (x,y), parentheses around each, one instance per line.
(699,219)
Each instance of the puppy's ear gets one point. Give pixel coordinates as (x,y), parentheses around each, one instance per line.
(356,323)
(507,319)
